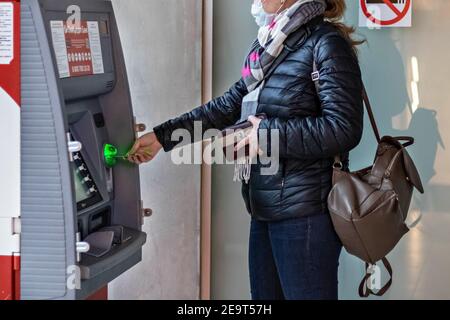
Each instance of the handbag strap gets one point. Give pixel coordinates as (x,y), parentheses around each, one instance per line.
(407,141)
(365,291)
(370,113)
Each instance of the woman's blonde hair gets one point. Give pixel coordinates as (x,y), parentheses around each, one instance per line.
(334,13)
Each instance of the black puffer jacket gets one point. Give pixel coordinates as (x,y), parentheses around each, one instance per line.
(314,126)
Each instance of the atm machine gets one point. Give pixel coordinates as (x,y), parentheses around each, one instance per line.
(81,207)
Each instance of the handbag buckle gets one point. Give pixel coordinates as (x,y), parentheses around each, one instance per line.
(338,165)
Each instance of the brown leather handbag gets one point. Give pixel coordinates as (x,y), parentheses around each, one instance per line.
(369,207)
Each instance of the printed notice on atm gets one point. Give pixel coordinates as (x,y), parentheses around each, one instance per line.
(6,33)
(96,48)
(77,48)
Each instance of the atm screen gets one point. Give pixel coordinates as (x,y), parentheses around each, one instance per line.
(86,192)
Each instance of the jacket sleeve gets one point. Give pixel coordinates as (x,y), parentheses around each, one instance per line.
(216,114)
(339,127)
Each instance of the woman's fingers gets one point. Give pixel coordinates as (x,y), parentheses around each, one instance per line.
(141,158)
(137,156)
(135,147)
(255,121)
(138,160)
(131,159)
(148,153)
(146,158)
(143,151)
(251,139)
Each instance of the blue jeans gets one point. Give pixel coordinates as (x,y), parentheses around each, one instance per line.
(295,259)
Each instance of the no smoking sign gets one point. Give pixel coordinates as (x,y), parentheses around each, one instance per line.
(385,13)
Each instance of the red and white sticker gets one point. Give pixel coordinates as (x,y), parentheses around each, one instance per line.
(385,13)
(6,32)
(78,49)
(10,146)
(9,124)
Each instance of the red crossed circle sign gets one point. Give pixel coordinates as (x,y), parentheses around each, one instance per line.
(399,15)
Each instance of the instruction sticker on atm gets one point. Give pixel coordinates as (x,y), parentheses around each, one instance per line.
(78,49)
(6,33)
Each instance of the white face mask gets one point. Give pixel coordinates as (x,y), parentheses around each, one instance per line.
(262,18)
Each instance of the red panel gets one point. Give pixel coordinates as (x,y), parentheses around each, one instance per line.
(101,294)
(10,74)
(7,285)
(16,275)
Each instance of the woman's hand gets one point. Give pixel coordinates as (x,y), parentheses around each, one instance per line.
(145,149)
(251,139)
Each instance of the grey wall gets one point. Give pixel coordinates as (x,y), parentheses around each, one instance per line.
(162,45)
(234,30)
(421,261)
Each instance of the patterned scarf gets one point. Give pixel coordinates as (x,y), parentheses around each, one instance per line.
(264,52)
(269,46)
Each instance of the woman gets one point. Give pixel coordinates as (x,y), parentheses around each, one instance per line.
(294,250)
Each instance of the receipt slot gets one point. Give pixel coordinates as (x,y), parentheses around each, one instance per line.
(81,214)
